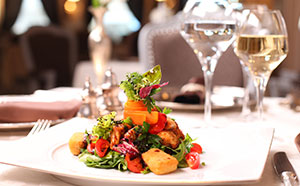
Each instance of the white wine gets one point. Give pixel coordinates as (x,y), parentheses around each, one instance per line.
(261,54)
(208,38)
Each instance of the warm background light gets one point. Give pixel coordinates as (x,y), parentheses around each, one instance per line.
(70,6)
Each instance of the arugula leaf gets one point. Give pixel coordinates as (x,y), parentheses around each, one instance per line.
(104,126)
(128,120)
(145,140)
(167,110)
(111,160)
(146,170)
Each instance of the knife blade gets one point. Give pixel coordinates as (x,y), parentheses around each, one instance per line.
(284,169)
(297,142)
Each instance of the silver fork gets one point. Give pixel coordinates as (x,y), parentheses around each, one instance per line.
(39,126)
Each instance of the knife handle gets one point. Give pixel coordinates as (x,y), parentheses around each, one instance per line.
(289,179)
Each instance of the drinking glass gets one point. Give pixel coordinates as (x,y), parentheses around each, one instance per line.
(262,45)
(209,29)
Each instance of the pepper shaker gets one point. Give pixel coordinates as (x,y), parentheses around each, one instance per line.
(89,96)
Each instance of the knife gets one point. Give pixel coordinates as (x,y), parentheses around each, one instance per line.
(284,169)
(297,141)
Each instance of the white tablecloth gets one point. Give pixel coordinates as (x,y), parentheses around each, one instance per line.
(285,121)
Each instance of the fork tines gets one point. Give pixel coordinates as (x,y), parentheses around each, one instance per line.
(39,126)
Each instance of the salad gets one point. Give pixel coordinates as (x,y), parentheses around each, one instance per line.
(145,140)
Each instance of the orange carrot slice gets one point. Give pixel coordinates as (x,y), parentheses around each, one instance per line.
(138,117)
(138,113)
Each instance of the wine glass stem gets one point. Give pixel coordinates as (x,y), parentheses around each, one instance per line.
(246,78)
(208,89)
(260,84)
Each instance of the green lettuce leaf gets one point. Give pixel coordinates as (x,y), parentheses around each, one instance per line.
(153,75)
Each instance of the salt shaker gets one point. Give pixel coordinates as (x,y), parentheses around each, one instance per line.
(89,96)
(111,90)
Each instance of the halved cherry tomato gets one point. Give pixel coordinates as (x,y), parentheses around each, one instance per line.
(93,138)
(193,160)
(134,164)
(101,147)
(90,148)
(196,148)
(160,125)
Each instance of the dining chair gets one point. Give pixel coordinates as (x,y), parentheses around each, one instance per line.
(162,44)
(50,54)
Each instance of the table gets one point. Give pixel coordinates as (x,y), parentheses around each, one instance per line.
(279,116)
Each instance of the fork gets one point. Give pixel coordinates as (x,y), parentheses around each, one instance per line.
(39,126)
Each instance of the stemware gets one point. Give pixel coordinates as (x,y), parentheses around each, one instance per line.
(261,45)
(209,28)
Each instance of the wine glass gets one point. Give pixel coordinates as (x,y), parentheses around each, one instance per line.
(262,45)
(209,28)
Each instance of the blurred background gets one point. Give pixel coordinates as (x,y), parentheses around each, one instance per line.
(72,19)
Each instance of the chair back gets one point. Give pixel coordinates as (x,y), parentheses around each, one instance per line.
(50,54)
(162,44)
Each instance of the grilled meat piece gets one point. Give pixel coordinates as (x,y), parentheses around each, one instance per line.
(116,134)
(131,134)
(171,125)
(169,138)
(171,134)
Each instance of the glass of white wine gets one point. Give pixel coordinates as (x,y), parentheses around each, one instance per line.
(262,45)
(209,28)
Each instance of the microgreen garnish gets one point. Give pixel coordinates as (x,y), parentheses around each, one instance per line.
(104,125)
(141,87)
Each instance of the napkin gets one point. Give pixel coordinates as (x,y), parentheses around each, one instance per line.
(30,111)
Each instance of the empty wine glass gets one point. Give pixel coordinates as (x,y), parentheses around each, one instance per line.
(209,29)
(262,45)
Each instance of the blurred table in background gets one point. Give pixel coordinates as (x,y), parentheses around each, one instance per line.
(85,69)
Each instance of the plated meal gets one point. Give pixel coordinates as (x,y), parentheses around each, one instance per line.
(145,140)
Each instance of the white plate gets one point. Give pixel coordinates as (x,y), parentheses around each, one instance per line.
(233,155)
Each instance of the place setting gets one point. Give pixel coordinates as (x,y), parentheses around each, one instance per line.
(143,130)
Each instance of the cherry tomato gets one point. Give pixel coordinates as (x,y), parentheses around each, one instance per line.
(101,147)
(93,138)
(90,148)
(196,148)
(134,164)
(193,160)
(160,125)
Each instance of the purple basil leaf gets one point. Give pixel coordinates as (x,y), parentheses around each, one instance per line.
(145,91)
